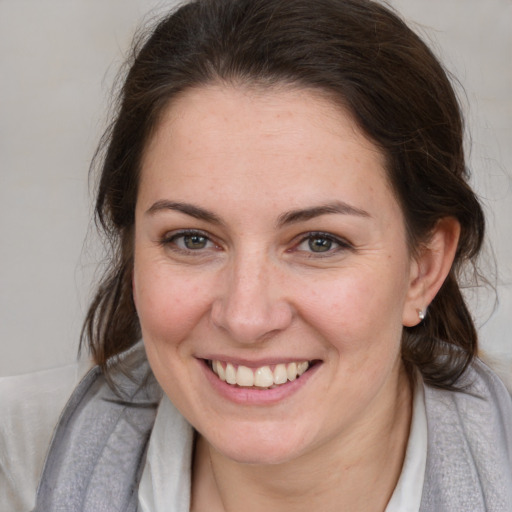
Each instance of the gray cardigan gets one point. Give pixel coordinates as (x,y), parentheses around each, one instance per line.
(98,449)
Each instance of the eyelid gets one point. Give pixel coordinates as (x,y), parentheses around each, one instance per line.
(342,243)
(168,238)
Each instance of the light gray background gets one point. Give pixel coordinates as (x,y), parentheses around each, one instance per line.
(58,60)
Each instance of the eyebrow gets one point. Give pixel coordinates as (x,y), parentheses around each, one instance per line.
(290,217)
(186,208)
(303,214)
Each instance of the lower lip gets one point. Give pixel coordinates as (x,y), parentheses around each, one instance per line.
(255,396)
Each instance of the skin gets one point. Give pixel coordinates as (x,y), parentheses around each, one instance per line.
(252,289)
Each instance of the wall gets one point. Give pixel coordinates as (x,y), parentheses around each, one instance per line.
(59,59)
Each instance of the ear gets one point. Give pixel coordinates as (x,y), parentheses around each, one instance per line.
(430,268)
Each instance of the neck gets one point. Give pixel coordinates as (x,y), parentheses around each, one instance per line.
(355,473)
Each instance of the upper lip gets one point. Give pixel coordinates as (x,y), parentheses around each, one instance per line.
(256,363)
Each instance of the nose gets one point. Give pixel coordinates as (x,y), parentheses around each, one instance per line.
(251,306)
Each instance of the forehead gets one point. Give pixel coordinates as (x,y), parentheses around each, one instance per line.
(291,144)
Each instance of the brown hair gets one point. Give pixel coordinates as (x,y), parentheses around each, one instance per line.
(365,57)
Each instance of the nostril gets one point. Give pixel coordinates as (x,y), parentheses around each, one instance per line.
(251,321)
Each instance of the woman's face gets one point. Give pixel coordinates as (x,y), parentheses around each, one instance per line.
(267,241)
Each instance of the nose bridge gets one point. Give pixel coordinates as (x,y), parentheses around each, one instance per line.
(251,304)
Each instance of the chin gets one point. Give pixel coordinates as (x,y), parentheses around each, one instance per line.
(261,446)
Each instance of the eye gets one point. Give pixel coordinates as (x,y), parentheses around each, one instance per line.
(321,243)
(188,241)
(193,242)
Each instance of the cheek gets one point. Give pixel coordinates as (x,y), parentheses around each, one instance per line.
(169,304)
(357,312)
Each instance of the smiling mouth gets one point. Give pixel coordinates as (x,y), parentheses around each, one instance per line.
(264,377)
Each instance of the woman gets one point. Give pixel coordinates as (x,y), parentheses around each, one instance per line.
(285,189)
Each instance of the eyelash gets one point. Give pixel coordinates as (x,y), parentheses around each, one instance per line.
(342,245)
(170,241)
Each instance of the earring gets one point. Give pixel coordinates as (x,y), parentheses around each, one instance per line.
(422,313)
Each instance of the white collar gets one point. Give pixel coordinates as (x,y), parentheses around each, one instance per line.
(407,494)
(165,483)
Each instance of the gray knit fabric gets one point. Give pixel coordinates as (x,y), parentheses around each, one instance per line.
(98,449)
(97,454)
(469,457)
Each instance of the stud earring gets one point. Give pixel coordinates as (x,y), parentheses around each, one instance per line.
(422,313)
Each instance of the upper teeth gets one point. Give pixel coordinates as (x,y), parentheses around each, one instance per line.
(262,377)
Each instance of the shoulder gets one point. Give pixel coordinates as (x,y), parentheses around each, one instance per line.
(99,444)
(469,458)
(480,392)
(30,406)
(481,410)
